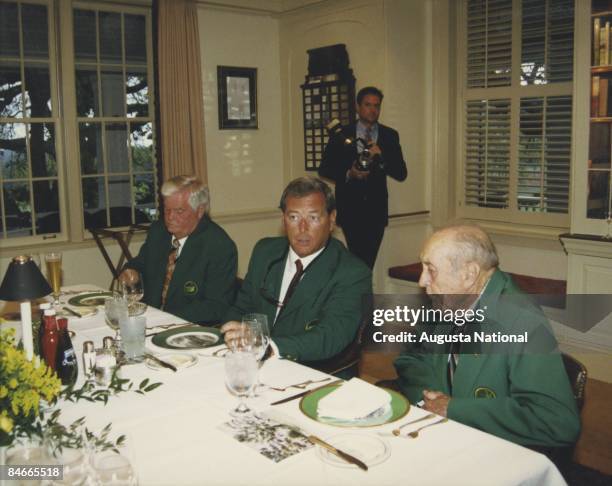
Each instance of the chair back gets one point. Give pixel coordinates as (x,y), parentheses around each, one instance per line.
(349,356)
(577,374)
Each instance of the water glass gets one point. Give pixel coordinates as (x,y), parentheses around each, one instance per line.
(240,376)
(115,307)
(111,468)
(133,337)
(257,325)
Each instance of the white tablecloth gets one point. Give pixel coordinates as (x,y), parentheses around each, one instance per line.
(175,438)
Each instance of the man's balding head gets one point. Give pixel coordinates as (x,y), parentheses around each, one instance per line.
(457,260)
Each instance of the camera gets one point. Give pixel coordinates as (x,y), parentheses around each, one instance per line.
(365,159)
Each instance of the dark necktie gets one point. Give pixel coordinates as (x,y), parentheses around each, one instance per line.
(453,357)
(294,282)
(169,270)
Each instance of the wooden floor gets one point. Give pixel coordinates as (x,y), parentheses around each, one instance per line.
(594,448)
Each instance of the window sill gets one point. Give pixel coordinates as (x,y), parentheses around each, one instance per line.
(515,234)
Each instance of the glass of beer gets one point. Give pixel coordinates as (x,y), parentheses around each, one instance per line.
(53,262)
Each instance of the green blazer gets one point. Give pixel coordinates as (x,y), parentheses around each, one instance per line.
(324,313)
(519,392)
(204,279)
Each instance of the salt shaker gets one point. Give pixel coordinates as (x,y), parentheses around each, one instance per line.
(108,342)
(89,358)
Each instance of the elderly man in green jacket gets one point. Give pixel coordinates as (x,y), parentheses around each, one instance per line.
(188,262)
(307,283)
(518,391)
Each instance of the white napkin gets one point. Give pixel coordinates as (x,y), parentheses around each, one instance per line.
(354,400)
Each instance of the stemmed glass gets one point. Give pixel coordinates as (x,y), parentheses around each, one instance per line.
(53,261)
(115,307)
(257,326)
(132,288)
(240,375)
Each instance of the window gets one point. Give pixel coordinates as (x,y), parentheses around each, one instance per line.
(29,189)
(517,110)
(100,109)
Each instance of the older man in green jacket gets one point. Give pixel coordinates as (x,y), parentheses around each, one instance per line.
(318,315)
(188,262)
(518,391)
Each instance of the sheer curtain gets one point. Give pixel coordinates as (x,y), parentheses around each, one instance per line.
(181,103)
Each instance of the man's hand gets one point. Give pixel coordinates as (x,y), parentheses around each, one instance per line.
(355,173)
(436,402)
(374,149)
(128,276)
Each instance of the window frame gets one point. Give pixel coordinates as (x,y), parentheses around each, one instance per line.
(66,120)
(515,92)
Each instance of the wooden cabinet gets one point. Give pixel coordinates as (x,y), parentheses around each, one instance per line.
(599,203)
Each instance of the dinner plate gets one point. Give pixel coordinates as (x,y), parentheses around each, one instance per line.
(367,448)
(399,408)
(187,337)
(179,360)
(90,299)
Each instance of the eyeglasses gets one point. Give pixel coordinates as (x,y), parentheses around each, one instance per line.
(311,219)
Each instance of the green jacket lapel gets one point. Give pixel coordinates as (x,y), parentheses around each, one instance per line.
(272,279)
(470,365)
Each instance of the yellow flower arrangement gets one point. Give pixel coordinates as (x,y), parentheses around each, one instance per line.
(23,384)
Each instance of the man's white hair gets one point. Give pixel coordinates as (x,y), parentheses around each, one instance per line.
(198,192)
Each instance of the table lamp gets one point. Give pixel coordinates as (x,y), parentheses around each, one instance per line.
(24,282)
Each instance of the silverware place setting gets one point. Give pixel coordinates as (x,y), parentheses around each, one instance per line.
(415,433)
(300,386)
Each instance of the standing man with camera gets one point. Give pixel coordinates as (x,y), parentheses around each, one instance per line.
(358,158)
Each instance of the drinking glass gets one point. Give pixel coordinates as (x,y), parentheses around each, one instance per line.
(75,461)
(240,376)
(53,261)
(115,307)
(132,287)
(257,326)
(133,337)
(26,453)
(113,468)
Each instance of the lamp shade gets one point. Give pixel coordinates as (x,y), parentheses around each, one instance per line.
(23,281)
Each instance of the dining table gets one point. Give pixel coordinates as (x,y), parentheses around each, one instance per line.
(176,437)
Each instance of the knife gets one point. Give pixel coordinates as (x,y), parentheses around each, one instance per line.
(280,418)
(161,362)
(73,312)
(337,452)
(299,395)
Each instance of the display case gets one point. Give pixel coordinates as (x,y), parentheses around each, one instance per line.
(599,202)
(328,93)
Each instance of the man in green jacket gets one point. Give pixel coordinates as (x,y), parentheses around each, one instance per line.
(188,262)
(518,391)
(318,315)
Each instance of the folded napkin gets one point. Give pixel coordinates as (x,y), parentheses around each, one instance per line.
(354,400)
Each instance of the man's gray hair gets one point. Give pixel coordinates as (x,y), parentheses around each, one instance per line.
(304,186)
(471,244)
(198,192)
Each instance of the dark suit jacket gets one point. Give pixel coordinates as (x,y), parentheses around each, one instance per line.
(518,392)
(204,279)
(323,315)
(363,200)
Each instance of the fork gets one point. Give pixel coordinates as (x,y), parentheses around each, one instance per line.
(300,386)
(396,432)
(415,433)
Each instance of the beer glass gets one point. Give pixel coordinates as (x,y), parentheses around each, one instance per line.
(53,262)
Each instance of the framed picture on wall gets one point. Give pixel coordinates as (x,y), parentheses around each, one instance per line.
(237,87)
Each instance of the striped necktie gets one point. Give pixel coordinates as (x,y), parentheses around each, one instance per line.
(169,270)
